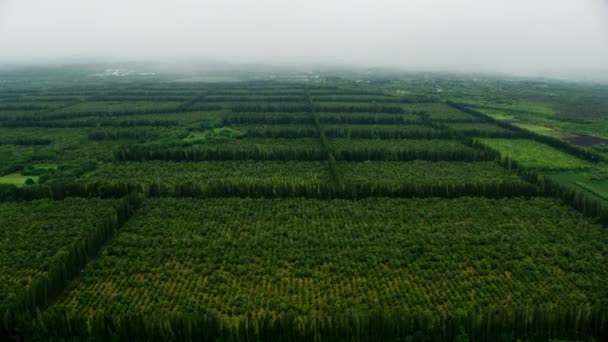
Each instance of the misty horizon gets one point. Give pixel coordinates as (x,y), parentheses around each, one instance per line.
(522,38)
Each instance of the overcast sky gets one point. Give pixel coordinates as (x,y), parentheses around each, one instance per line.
(519,36)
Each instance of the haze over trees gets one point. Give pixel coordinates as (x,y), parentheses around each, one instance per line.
(231,171)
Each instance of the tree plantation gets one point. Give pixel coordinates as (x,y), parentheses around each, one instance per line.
(326,209)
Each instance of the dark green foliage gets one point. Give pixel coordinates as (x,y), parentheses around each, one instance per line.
(267,118)
(360,98)
(212,179)
(406,149)
(50,243)
(278,131)
(254,98)
(430,179)
(239,149)
(140,134)
(386,132)
(271,108)
(368,118)
(89,123)
(317,255)
(25,141)
(357,108)
(185,269)
(483,130)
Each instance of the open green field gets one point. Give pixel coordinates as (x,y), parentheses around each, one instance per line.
(558,118)
(389,208)
(17,179)
(535,155)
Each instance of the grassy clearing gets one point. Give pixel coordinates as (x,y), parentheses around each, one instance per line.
(594,183)
(17,179)
(532,154)
(496,114)
(516,106)
(543,130)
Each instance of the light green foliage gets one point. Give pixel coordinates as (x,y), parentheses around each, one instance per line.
(542,130)
(16,179)
(514,106)
(532,154)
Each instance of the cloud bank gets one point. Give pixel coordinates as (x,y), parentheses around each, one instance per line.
(515,36)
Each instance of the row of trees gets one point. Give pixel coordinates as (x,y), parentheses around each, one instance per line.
(25,141)
(547,186)
(4,107)
(89,123)
(436,268)
(219,152)
(573,196)
(152,98)
(367,119)
(267,118)
(254,98)
(553,142)
(64,266)
(334,170)
(306,108)
(386,132)
(492,324)
(273,188)
(295,131)
(134,134)
(409,149)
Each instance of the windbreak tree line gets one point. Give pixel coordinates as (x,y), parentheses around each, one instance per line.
(66,235)
(272,210)
(216,267)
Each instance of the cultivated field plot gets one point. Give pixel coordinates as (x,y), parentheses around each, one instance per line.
(271,210)
(405,149)
(41,241)
(532,154)
(320,261)
(232,149)
(218,178)
(427,178)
